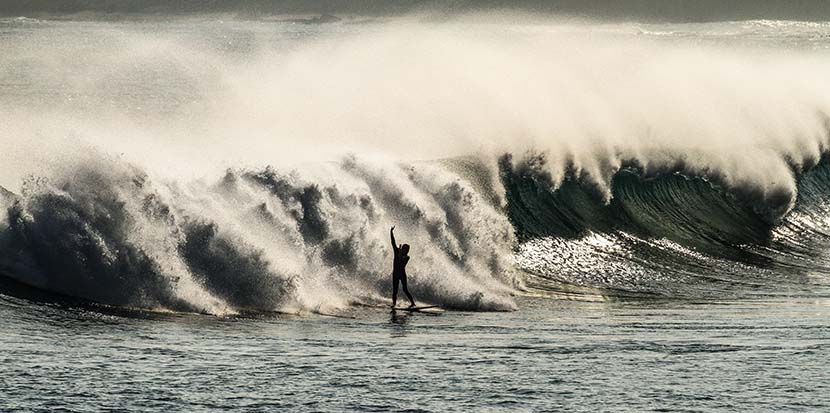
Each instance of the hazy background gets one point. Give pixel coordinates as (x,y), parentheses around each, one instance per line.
(653,10)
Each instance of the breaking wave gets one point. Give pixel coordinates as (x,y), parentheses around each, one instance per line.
(258,240)
(550,155)
(315,238)
(670,233)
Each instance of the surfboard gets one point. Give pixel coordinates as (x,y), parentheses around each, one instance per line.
(418,309)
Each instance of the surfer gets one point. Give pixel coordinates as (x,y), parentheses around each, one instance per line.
(399,269)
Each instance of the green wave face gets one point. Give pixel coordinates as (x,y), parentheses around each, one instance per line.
(670,233)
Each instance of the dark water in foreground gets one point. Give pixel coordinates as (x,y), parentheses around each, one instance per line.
(552,354)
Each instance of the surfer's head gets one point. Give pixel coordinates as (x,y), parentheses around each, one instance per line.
(405,249)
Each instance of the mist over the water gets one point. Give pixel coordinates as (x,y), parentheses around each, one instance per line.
(587,98)
(212,165)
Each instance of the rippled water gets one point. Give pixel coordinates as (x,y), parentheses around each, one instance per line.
(552,354)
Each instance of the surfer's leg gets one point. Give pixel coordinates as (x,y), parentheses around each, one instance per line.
(406,291)
(394,290)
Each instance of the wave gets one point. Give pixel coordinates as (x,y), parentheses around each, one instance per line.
(258,240)
(582,156)
(669,233)
(666,203)
(314,238)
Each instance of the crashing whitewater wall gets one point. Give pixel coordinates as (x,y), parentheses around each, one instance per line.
(259,240)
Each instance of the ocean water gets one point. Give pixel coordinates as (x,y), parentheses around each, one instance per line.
(614,216)
(550,355)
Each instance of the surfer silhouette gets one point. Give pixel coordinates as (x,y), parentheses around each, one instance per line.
(399,269)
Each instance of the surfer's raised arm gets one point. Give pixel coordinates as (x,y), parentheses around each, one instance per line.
(392,234)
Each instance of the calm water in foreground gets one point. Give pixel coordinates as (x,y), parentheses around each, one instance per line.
(551,354)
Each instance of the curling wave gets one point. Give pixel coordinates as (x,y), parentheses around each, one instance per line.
(669,233)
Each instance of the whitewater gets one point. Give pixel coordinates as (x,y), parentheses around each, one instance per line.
(584,198)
